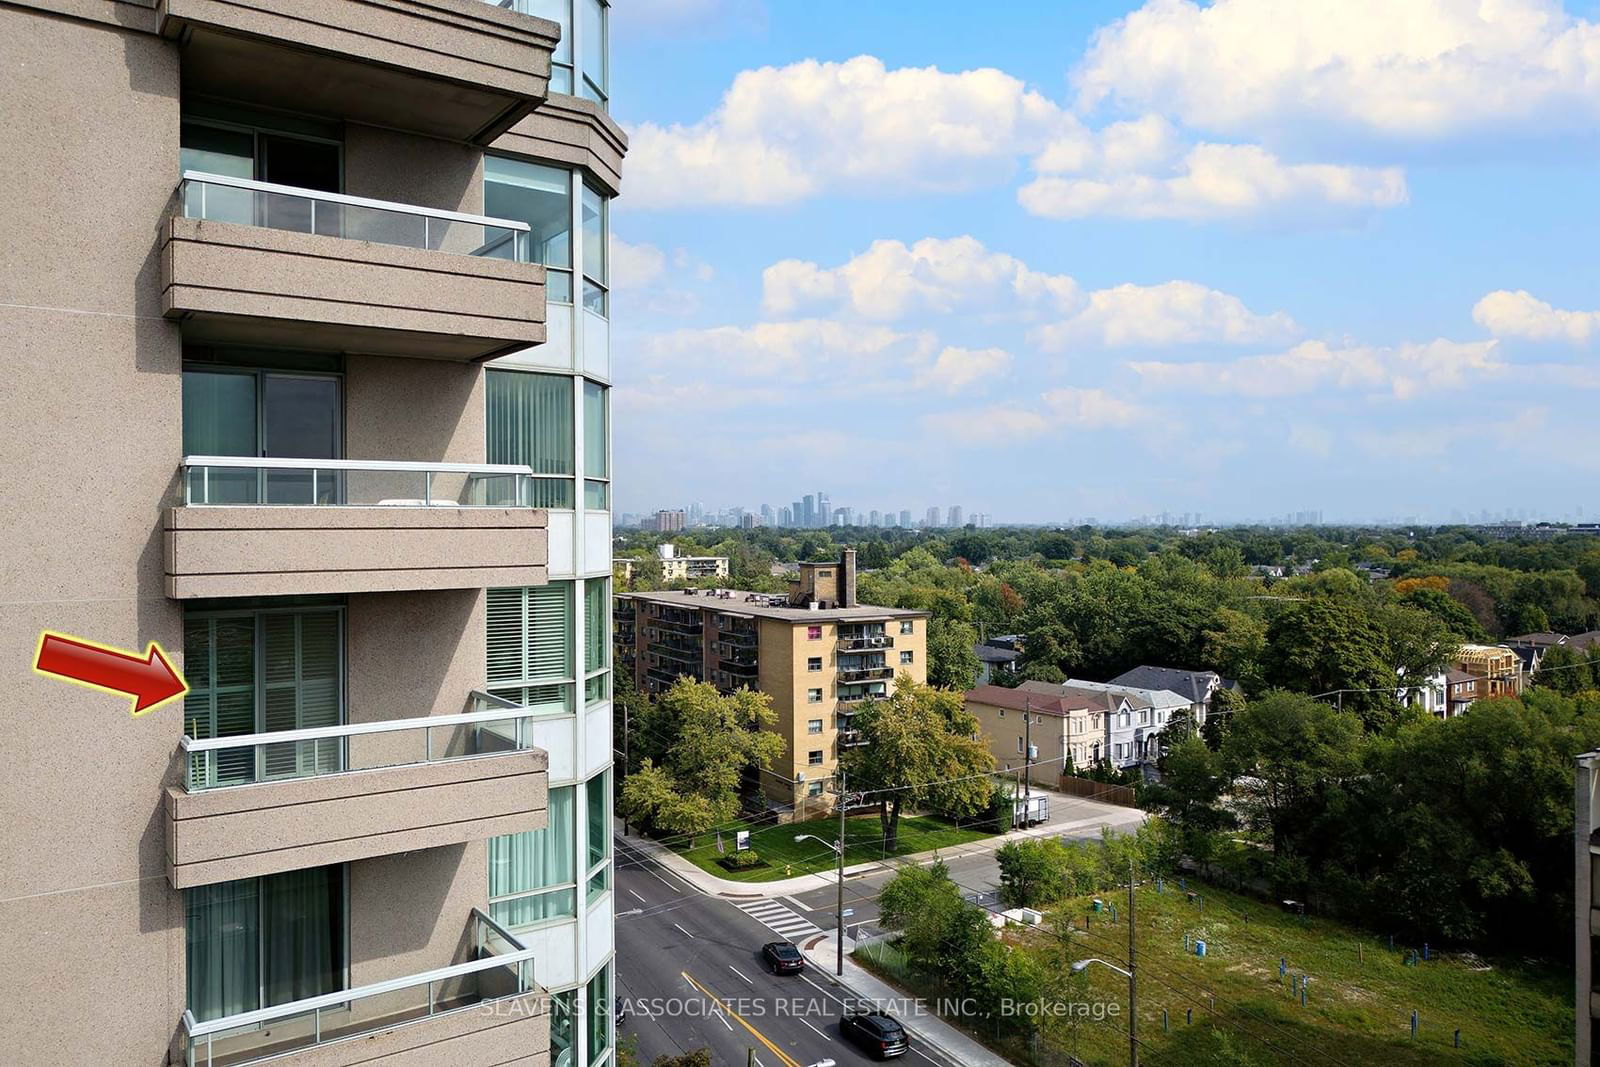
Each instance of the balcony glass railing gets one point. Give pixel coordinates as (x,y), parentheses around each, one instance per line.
(218,198)
(501,967)
(215,481)
(242,759)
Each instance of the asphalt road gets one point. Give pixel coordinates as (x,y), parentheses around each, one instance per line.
(690,976)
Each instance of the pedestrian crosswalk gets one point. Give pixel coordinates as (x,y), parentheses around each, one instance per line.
(779,919)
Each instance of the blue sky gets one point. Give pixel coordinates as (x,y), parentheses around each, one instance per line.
(1097,259)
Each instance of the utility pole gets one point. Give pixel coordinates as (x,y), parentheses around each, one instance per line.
(1133,982)
(1027,749)
(844,801)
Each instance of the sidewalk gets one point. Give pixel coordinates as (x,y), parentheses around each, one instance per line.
(711,885)
(924,1027)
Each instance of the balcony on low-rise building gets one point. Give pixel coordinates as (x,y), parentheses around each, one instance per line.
(252,262)
(255,804)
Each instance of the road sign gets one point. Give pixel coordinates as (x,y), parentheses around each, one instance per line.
(741,841)
(848,912)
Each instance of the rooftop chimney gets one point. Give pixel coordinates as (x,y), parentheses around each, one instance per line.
(847,578)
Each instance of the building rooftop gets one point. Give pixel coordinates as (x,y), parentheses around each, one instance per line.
(990,654)
(768,606)
(999,696)
(1074,688)
(1195,685)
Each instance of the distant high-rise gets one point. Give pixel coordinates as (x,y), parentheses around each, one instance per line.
(669,521)
(874,517)
(797,514)
(824,509)
(955,514)
(808,513)
(932,521)
(905,517)
(768,517)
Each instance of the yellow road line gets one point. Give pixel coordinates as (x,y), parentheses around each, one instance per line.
(783,1057)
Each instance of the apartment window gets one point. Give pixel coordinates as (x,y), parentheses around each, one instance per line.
(305,155)
(258,672)
(596,462)
(530,653)
(240,411)
(813,726)
(597,1009)
(597,798)
(814,758)
(541,196)
(532,878)
(814,789)
(530,421)
(563,1025)
(596,639)
(905,659)
(814,663)
(258,942)
(1019,743)
(592,41)
(813,633)
(907,626)
(595,234)
(813,696)
(1144,718)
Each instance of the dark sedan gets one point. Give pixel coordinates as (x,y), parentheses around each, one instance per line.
(783,957)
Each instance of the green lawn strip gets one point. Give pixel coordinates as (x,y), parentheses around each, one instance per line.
(1358,1006)
(863,837)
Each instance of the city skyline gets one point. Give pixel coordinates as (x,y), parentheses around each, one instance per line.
(1124,294)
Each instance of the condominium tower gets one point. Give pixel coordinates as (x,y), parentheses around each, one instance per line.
(309,361)
(817,652)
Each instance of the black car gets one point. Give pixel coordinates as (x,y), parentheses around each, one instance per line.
(783,957)
(876,1032)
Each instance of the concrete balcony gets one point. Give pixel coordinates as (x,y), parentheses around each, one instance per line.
(484,1009)
(260,804)
(281,527)
(247,262)
(463,70)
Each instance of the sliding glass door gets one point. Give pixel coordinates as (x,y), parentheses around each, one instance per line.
(259,942)
(264,671)
(245,412)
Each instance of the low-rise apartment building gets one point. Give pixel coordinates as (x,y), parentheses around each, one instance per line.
(1065,729)
(817,652)
(308,321)
(676,568)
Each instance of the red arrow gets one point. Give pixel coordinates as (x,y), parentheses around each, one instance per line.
(149,680)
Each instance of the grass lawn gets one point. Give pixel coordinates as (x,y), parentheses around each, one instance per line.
(863,843)
(1358,1006)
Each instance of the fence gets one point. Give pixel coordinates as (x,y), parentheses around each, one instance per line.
(1121,795)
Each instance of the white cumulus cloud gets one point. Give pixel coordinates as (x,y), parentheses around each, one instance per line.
(782,134)
(1404,371)
(1211,181)
(802,350)
(1397,69)
(891,280)
(1172,313)
(956,369)
(1057,410)
(1521,314)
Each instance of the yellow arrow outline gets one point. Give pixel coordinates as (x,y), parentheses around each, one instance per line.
(785,1058)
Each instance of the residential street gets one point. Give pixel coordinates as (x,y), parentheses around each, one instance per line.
(678,948)
(690,975)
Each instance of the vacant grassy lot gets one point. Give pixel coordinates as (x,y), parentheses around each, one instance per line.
(863,839)
(1358,1005)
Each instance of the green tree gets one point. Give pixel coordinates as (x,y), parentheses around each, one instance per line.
(1297,750)
(1448,610)
(1225,704)
(1032,872)
(1189,796)
(920,752)
(1566,670)
(940,931)
(706,741)
(952,660)
(1327,644)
